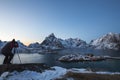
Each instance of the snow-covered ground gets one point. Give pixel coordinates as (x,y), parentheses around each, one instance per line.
(32,75)
(57,72)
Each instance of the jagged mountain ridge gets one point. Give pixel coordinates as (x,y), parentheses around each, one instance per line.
(53,42)
(34,45)
(108,41)
(76,43)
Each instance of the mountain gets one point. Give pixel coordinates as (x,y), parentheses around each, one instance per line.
(52,42)
(75,43)
(34,45)
(56,43)
(108,41)
(22,48)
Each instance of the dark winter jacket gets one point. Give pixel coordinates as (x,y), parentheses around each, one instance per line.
(7,49)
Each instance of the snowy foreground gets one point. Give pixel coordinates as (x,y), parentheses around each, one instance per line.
(53,74)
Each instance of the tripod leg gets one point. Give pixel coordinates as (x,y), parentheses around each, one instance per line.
(19,59)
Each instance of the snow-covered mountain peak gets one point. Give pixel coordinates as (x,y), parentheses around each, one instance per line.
(51,35)
(52,41)
(111,33)
(111,37)
(34,45)
(75,43)
(21,44)
(108,41)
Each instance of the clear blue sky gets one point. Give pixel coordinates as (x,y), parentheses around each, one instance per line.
(32,20)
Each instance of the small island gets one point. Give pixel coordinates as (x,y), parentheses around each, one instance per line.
(78,57)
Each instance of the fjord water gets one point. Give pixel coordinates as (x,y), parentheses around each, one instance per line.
(51,59)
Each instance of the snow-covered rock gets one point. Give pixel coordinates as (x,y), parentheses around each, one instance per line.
(33,75)
(108,41)
(77,57)
(5,74)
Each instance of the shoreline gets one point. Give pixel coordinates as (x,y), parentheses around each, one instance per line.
(39,67)
(54,73)
(89,76)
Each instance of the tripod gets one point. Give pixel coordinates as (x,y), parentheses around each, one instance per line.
(19,58)
(16,51)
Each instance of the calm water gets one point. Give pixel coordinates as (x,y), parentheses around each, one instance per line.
(51,59)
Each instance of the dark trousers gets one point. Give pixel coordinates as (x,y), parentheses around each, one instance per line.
(8,58)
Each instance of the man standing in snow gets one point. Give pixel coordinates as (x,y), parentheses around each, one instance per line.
(7,51)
